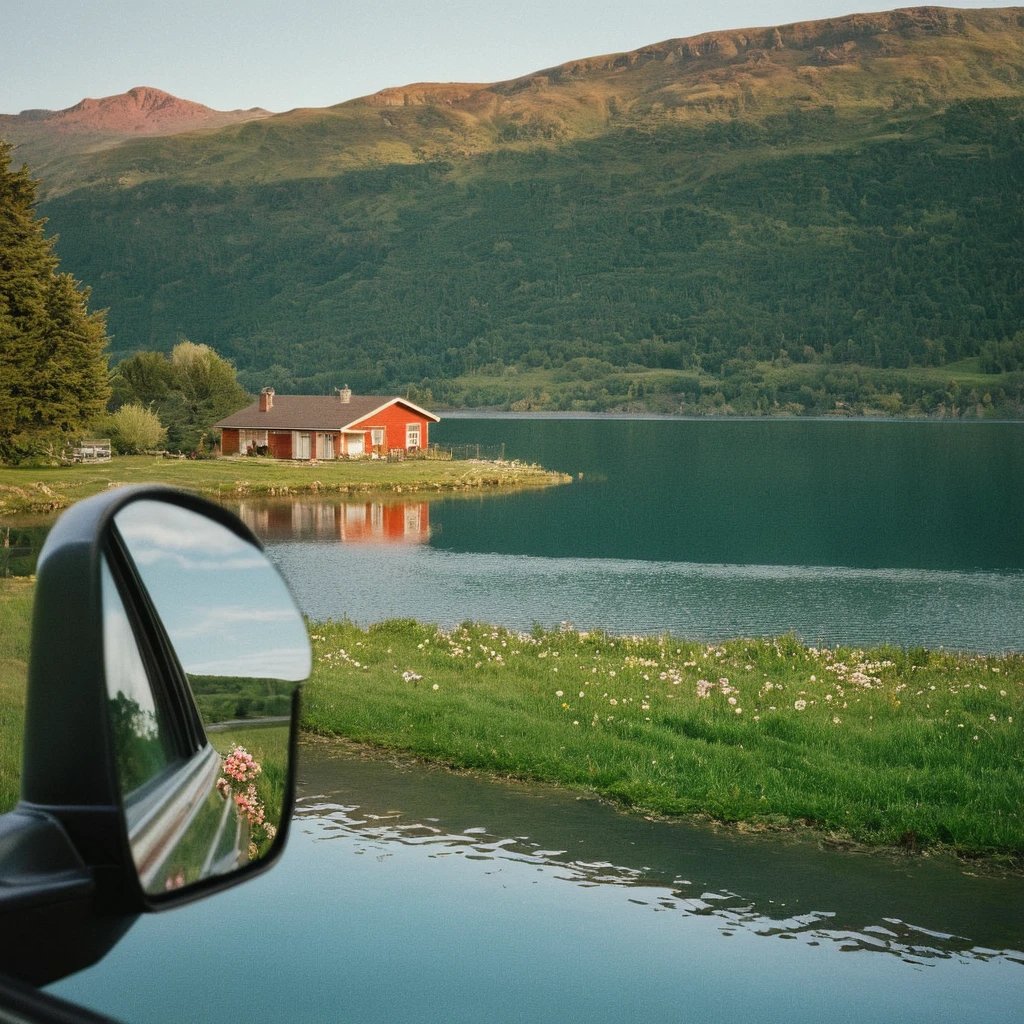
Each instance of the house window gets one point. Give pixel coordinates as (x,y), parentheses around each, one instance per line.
(377,437)
(301,446)
(412,435)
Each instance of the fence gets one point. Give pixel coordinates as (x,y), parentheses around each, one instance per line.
(490,452)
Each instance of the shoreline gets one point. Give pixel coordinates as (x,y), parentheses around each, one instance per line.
(906,750)
(36,491)
(994,865)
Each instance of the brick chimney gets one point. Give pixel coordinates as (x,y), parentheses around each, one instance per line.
(266,399)
(345,394)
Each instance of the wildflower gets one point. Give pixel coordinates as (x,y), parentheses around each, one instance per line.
(411,677)
(732,700)
(703,687)
(435,687)
(1002,693)
(613,702)
(582,693)
(240,766)
(739,711)
(836,720)
(565,706)
(991,718)
(575,723)
(558,693)
(800,704)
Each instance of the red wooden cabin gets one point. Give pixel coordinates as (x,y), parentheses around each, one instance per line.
(314,427)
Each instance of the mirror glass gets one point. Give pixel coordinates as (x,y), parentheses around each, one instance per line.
(221,634)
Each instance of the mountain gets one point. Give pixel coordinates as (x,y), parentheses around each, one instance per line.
(672,227)
(43,136)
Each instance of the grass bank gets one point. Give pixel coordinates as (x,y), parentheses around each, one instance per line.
(913,749)
(15,631)
(45,490)
(886,747)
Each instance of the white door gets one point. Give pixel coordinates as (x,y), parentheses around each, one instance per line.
(355,444)
(301,449)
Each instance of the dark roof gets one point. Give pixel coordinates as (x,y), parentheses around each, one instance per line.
(314,412)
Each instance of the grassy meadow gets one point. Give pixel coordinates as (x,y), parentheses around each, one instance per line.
(15,630)
(886,747)
(34,490)
(911,749)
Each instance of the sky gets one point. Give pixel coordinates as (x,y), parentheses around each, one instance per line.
(279,55)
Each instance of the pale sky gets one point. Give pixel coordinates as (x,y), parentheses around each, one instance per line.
(314,53)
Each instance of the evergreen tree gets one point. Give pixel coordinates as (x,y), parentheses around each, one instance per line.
(53,370)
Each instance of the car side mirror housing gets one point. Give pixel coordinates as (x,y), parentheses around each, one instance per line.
(160,726)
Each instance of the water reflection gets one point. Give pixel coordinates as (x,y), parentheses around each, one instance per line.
(917,910)
(353,522)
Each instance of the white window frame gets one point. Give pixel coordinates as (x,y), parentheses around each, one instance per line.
(377,437)
(413,429)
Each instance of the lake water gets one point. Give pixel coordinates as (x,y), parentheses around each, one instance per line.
(411,894)
(840,531)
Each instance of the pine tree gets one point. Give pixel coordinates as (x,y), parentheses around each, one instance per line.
(53,370)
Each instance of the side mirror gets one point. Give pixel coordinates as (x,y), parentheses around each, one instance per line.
(160,725)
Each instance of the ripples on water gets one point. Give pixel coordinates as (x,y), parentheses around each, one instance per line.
(978,611)
(915,910)
(372,834)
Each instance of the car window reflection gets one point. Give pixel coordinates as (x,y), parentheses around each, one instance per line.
(141,738)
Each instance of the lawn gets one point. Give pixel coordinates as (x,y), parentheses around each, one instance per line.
(31,490)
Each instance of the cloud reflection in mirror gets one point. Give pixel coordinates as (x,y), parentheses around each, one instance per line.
(222,603)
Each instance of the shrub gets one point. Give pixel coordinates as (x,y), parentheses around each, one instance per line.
(134,428)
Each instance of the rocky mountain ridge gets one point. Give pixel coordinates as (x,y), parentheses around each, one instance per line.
(95,124)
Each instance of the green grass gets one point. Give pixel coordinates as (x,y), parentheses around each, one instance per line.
(31,490)
(926,751)
(914,749)
(15,631)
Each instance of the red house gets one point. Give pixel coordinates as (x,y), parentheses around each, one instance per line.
(313,427)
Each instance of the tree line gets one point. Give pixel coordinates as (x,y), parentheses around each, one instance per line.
(54,381)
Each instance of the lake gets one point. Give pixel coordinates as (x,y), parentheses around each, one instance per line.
(413,894)
(840,531)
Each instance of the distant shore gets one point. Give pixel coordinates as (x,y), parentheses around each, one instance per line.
(42,490)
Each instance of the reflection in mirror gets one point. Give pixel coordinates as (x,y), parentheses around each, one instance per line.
(143,747)
(242,647)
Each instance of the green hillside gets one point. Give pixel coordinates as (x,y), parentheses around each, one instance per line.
(733,221)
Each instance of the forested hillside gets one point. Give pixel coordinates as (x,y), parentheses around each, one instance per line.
(782,218)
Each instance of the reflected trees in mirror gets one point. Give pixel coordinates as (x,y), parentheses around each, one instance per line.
(203,776)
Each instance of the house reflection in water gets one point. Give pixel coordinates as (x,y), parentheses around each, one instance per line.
(366,522)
